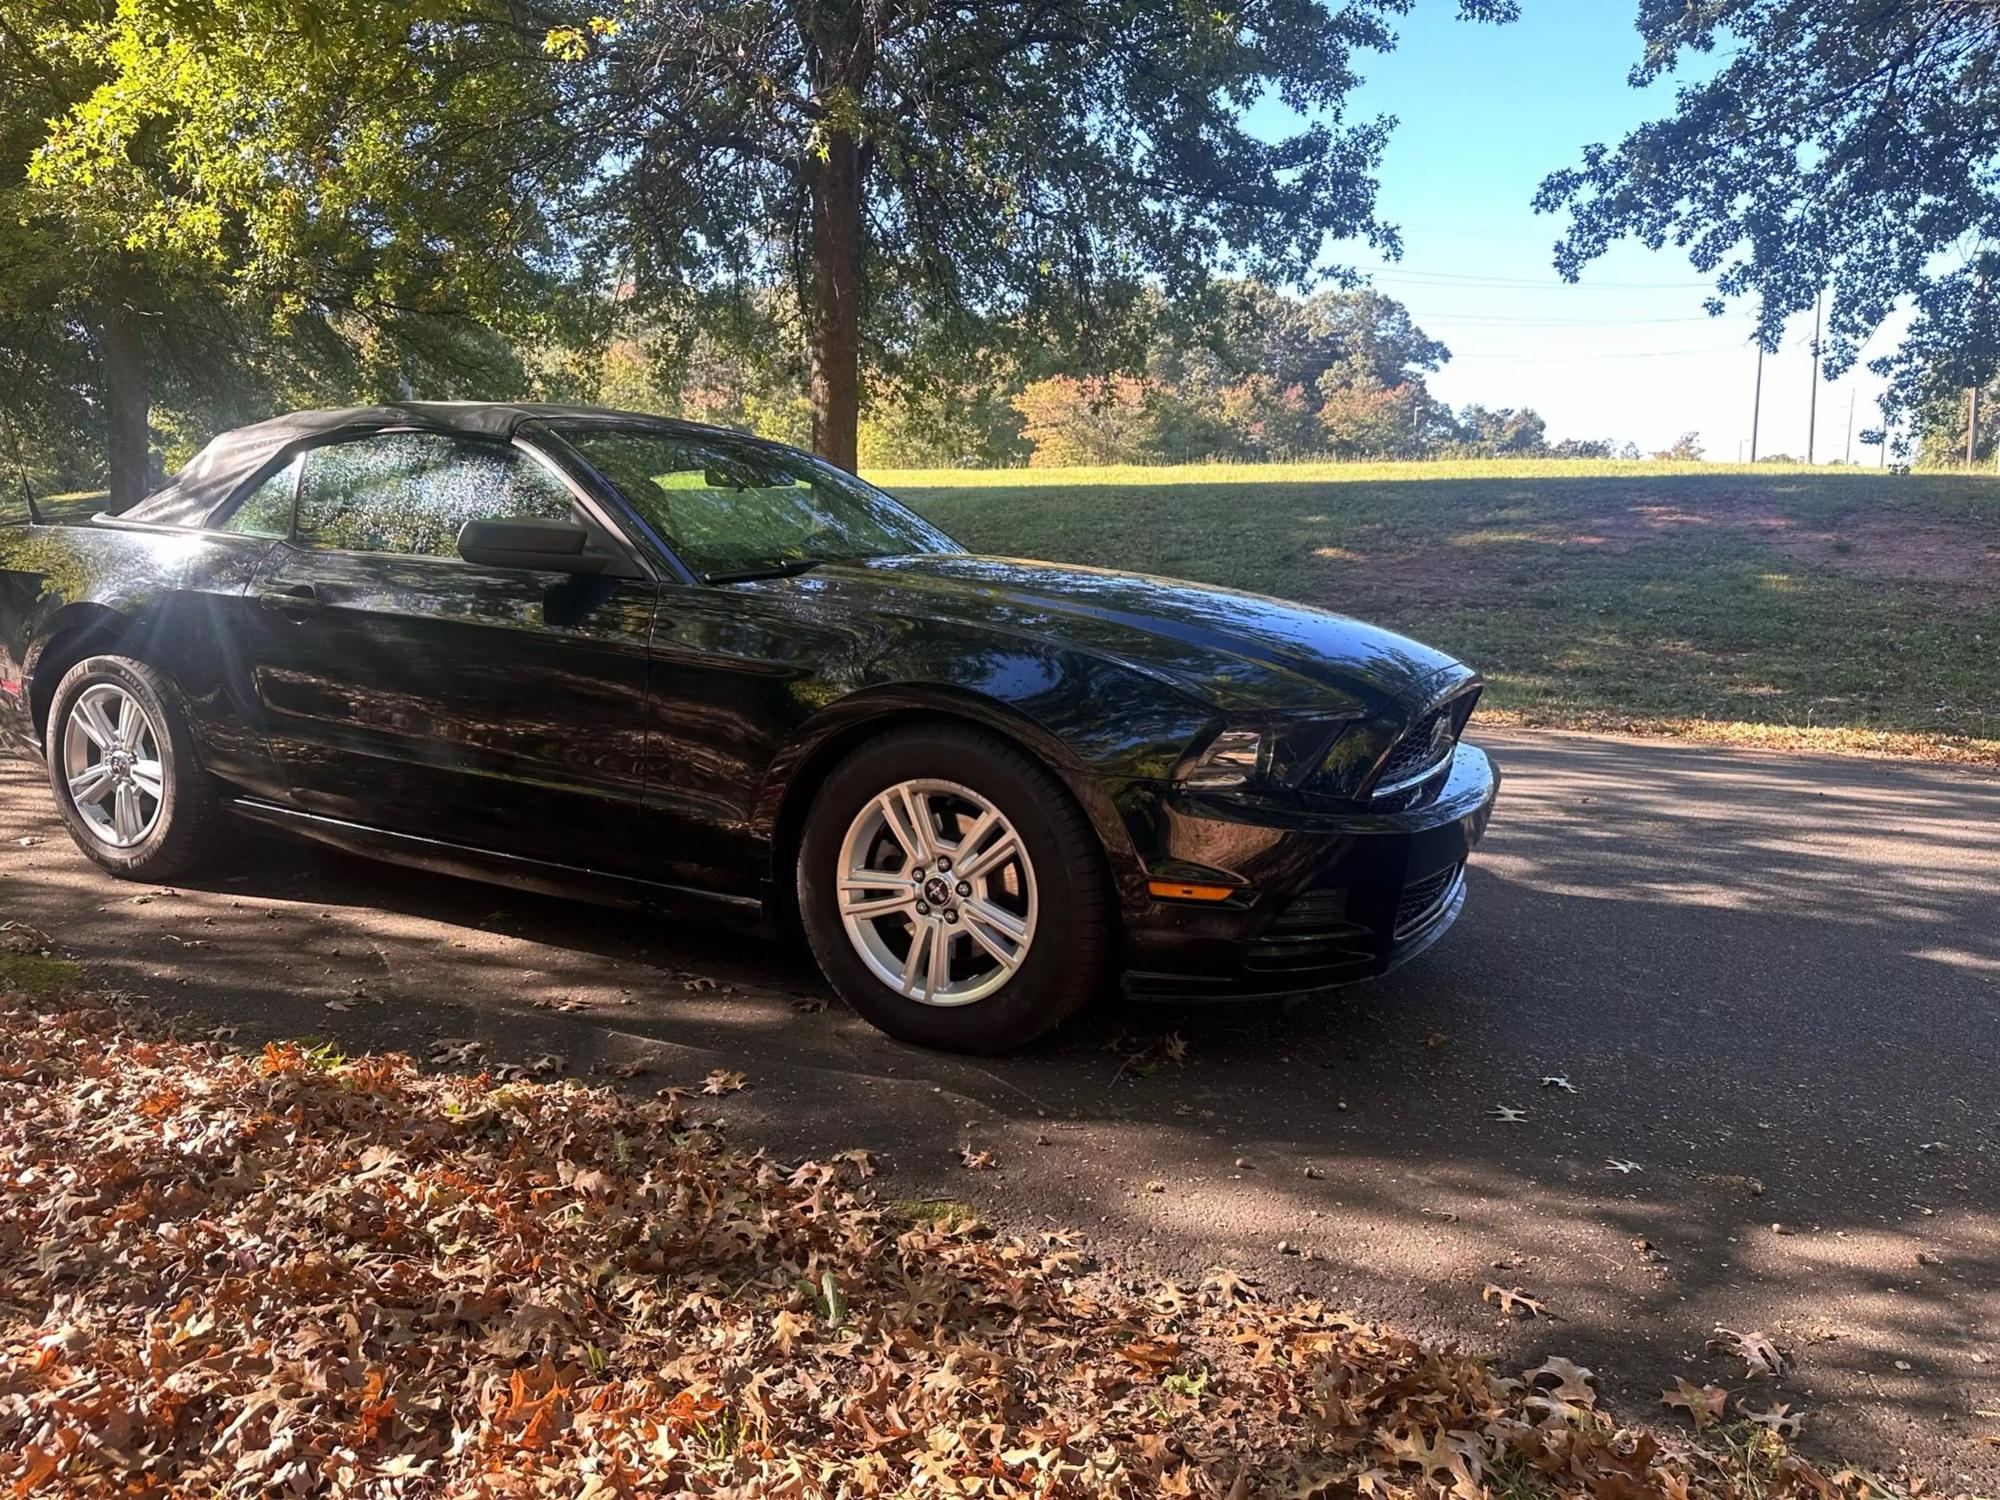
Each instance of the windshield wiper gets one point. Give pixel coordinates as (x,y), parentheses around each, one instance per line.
(790,568)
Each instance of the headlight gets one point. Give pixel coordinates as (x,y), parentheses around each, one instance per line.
(1272,755)
(1236,757)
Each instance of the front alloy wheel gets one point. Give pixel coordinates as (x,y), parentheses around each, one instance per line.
(111,760)
(953,890)
(937,892)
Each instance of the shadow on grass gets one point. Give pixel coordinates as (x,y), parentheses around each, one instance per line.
(1850,600)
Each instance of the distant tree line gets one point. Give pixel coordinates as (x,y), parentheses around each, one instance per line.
(1240,372)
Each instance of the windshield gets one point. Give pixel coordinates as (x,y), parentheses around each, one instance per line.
(727,506)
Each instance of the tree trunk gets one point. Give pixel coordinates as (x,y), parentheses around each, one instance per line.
(836,329)
(128,406)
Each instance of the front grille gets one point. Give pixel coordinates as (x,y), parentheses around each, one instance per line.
(1315,912)
(1427,744)
(1422,901)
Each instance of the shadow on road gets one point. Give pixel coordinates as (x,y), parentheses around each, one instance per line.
(1769,981)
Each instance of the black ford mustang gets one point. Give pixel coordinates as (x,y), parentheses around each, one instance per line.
(620,656)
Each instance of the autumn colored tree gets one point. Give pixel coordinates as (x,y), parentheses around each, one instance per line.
(1271,421)
(1095,420)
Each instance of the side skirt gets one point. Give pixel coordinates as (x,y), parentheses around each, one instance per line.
(543,876)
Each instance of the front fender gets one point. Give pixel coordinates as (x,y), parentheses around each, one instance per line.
(1098,734)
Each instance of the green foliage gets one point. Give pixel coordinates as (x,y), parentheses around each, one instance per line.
(1842,144)
(285,203)
(30,975)
(1027,169)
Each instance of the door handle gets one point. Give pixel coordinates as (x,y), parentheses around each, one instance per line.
(293,603)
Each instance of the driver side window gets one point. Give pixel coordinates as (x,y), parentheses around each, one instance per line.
(410,493)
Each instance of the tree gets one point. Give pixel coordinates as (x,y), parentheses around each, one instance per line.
(1847,145)
(276,197)
(1685,449)
(1270,421)
(1011,164)
(1091,421)
(1503,432)
(1366,419)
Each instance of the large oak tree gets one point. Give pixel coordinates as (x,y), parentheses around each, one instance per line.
(974,164)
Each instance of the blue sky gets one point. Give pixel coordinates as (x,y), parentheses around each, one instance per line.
(1485,112)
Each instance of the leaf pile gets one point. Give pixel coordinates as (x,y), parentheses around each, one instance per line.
(237,1274)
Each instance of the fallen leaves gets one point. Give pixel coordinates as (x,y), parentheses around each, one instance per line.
(1508,1114)
(290,1272)
(977,1161)
(1778,1419)
(722,1081)
(1703,1404)
(1513,1301)
(1762,1359)
(1570,1381)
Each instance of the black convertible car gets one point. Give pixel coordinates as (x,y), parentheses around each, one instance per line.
(638,659)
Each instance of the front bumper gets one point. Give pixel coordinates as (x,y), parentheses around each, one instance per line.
(1325,898)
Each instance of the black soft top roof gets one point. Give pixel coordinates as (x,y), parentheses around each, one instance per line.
(220,469)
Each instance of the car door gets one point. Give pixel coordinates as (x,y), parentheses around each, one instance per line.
(406,689)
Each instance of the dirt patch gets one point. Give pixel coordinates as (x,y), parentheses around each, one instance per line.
(1962,553)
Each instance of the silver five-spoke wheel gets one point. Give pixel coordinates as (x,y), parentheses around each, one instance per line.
(937,892)
(111,760)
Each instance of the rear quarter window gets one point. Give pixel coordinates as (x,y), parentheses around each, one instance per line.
(267,509)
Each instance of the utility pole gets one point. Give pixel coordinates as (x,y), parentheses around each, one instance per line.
(1757,399)
(1812,409)
(1850,428)
(1971,422)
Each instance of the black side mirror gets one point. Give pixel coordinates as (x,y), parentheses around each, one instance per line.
(537,545)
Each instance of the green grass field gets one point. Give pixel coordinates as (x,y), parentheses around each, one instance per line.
(1837,607)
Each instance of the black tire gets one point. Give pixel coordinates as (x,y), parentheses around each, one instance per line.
(1067,957)
(188,823)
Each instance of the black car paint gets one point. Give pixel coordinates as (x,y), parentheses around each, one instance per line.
(652,738)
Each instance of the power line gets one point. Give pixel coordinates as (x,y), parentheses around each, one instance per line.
(1501,320)
(1452,278)
(1511,358)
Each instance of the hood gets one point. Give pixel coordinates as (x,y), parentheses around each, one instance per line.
(1240,652)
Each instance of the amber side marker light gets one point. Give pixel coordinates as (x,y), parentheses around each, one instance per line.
(1173,890)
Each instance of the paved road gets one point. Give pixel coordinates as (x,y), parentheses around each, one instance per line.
(1772,982)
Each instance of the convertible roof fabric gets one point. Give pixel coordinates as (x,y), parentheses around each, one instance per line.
(220,469)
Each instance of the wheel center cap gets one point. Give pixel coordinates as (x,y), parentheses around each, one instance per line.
(937,891)
(120,761)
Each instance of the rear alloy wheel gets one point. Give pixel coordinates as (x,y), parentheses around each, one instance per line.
(121,762)
(952,890)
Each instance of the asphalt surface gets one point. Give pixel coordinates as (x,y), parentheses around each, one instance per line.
(1771,984)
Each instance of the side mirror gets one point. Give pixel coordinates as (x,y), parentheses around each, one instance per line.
(536,545)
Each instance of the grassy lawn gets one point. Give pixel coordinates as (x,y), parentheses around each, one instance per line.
(1838,608)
